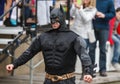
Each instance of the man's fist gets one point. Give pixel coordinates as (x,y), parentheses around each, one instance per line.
(9,67)
(87,78)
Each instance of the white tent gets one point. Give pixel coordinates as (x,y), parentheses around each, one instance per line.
(117,3)
(43,11)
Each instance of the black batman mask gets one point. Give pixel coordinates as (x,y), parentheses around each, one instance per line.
(58,15)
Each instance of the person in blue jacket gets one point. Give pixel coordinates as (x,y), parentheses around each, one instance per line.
(106,11)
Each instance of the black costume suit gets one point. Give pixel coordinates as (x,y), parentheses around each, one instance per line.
(60,48)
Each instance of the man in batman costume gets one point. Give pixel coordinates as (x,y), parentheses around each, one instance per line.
(59,46)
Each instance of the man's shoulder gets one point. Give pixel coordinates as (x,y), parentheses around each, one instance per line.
(73,33)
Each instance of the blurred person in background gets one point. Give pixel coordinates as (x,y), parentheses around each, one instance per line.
(106,11)
(114,39)
(8,4)
(83,14)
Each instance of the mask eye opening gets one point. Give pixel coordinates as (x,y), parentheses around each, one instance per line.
(54,20)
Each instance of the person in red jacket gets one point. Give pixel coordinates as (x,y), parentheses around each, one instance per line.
(114,38)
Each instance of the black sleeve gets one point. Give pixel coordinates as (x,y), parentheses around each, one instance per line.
(34,48)
(80,48)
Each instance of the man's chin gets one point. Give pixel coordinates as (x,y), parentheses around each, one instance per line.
(54,27)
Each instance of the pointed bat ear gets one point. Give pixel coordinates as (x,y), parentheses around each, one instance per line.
(61,8)
(51,8)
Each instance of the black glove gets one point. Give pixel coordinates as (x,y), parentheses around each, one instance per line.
(90,70)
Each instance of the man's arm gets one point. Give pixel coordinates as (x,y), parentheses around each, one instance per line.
(80,47)
(34,48)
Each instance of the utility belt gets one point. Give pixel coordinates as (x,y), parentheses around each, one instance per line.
(55,78)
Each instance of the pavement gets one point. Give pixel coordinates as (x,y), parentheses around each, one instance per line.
(38,78)
(110,79)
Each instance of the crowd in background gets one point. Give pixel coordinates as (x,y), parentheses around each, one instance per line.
(103,23)
(10,19)
(25,12)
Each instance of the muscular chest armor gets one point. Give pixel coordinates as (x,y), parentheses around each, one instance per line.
(57,47)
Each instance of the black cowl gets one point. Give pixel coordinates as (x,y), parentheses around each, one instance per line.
(58,14)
